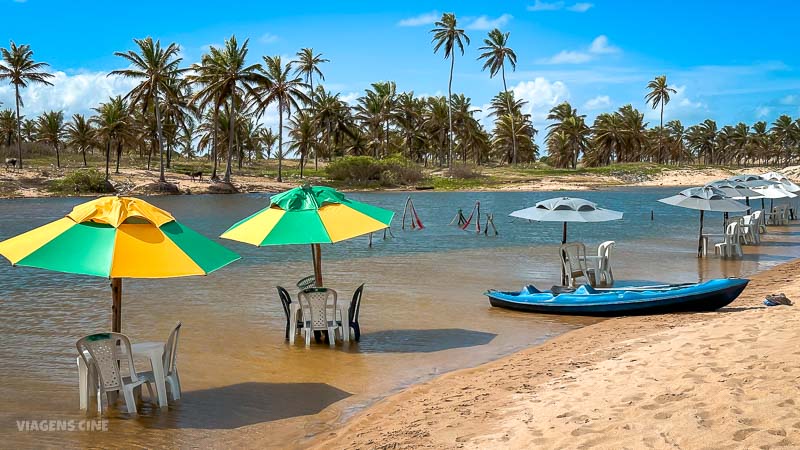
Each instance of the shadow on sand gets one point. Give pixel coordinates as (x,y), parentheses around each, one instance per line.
(421,341)
(244,404)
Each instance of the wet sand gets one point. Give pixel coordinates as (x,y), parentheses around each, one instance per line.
(727,379)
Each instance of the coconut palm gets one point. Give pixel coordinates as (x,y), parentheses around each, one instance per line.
(786,133)
(80,135)
(50,129)
(225,76)
(276,85)
(19,69)
(110,123)
(301,131)
(659,96)
(8,126)
(495,53)
(307,64)
(447,35)
(156,68)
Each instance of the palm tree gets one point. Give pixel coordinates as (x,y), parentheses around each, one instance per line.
(659,96)
(786,133)
(19,68)
(448,35)
(302,130)
(307,64)
(50,129)
(225,76)
(496,52)
(80,135)
(276,85)
(156,67)
(111,120)
(8,126)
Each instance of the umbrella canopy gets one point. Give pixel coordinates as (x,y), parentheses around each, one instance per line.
(117,237)
(752,181)
(566,209)
(783,179)
(309,215)
(775,192)
(705,198)
(734,189)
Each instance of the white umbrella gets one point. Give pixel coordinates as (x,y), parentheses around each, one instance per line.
(783,179)
(566,209)
(704,199)
(735,189)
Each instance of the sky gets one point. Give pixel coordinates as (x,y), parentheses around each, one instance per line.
(730,61)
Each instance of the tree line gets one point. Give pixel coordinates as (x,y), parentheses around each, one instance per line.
(215,109)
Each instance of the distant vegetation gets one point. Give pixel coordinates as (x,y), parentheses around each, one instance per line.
(209,114)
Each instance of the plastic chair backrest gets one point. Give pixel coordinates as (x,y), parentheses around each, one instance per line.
(106,350)
(307,282)
(604,252)
(574,257)
(355,304)
(731,233)
(317,307)
(171,350)
(286,300)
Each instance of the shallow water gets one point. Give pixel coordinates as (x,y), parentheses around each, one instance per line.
(423,312)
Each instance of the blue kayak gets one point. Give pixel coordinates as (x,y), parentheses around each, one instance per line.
(589,301)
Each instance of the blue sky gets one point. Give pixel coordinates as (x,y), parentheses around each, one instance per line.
(730,61)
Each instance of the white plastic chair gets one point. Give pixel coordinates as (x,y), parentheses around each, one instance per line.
(750,229)
(573,260)
(605,277)
(318,306)
(170,362)
(730,247)
(761,226)
(107,354)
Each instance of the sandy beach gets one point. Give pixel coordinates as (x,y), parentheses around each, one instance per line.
(727,379)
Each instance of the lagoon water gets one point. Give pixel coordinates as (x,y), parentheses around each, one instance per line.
(423,312)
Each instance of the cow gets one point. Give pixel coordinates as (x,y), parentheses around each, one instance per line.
(11,163)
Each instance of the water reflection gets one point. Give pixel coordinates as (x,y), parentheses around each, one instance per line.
(422,341)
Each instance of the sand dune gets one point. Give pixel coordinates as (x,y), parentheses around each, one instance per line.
(729,379)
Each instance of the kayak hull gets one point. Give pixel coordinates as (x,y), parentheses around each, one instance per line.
(708,296)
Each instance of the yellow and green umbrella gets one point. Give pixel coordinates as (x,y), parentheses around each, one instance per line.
(117,237)
(309,215)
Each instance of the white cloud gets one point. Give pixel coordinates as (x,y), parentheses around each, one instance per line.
(539,5)
(789,100)
(763,111)
(422,19)
(350,98)
(599,46)
(567,57)
(72,93)
(599,102)
(541,96)
(486,23)
(267,38)
(581,7)
(679,106)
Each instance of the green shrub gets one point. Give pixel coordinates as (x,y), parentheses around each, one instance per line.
(84,181)
(365,170)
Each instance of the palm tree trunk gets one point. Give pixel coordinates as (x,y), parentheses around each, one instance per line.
(661,136)
(214,149)
(231,128)
(19,130)
(83,152)
(108,156)
(58,156)
(450,112)
(316,157)
(513,131)
(280,141)
(119,155)
(160,136)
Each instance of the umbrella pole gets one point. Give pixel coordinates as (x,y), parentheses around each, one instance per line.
(116,305)
(563,241)
(700,238)
(316,254)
